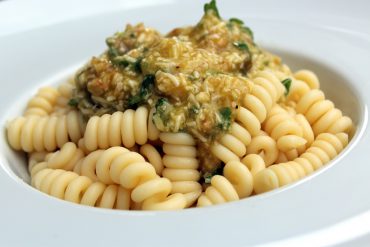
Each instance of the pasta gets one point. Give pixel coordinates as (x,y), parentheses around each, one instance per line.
(236,182)
(197,117)
(322,114)
(181,165)
(36,133)
(71,187)
(42,103)
(120,128)
(325,147)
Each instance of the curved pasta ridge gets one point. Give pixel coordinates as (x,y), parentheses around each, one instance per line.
(325,147)
(265,92)
(35,133)
(70,186)
(232,145)
(235,183)
(322,114)
(181,165)
(118,165)
(42,104)
(66,158)
(284,129)
(120,128)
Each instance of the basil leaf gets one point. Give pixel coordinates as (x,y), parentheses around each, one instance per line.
(145,91)
(287,83)
(211,7)
(73,102)
(236,21)
(225,114)
(248,31)
(241,45)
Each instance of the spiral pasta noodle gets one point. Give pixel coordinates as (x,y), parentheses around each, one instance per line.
(181,165)
(308,77)
(232,145)
(322,114)
(127,129)
(263,95)
(66,158)
(151,154)
(42,104)
(325,147)
(236,183)
(284,129)
(35,133)
(118,165)
(71,187)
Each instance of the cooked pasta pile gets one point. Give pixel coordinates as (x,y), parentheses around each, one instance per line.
(197,117)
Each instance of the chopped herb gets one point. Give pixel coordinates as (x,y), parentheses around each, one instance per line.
(287,83)
(137,65)
(236,21)
(225,114)
(162,112)
(73,102)
(208,175)
(211,7)
(248,31)
(243,28)
(194,110)
(121,62)
(241,45)
(144,93)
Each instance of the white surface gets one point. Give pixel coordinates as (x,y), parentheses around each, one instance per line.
(42,42)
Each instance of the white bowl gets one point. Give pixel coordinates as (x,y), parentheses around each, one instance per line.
(324,208)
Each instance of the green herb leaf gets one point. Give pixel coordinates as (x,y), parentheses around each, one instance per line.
(162,113)
(287,83)
(241,45)
(137,65)
(208,175)
(225,114)
(236,21)
(73,102)
(211,7)
(248,31)
(194,110)
(145,91)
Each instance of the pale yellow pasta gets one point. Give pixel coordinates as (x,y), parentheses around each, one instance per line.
(266,147)
(43,102)
(36,162)
(232,146)
(271,77)
(297,89)
(127,129)
(65,90)
(71,187)
(236,183)
(118,165)
(322,114)
(282,127)
(35,133)
(152,155)
(254,163)
(181,165)
(66,158)
(262,97)
(308,77)
(325,147)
